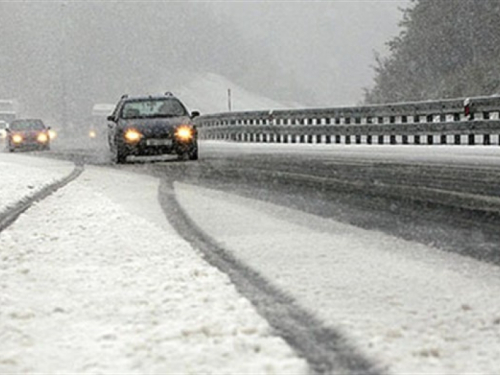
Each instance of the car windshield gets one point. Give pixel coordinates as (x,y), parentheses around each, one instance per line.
(153,108)
(27,125)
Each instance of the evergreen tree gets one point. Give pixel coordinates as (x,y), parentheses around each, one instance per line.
(447,48)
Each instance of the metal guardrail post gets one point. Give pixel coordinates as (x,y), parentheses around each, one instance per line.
(431,123)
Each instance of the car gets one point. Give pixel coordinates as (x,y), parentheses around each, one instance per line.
(152,125)
(28,134)
(3,129)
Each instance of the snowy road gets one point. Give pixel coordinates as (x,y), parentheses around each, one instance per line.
(405,306)
(411,308)
(94,280)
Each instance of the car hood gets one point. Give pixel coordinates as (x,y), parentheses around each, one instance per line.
(28,133)
(154,124)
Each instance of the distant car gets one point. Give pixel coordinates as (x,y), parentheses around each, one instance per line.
(152,125)
(28,134)
(3,131)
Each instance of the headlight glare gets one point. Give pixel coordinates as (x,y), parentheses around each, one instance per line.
(184,133)
(42,138)
(132,136)
(52,134)
(17,138)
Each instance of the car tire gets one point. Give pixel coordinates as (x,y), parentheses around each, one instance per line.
(183,156)
(193,153)
(120,156)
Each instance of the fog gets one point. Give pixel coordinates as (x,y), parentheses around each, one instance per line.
(60,58)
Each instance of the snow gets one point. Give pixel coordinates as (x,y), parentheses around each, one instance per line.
(94,280)
(411,308)
(208,93)
(34,179)
(446,155)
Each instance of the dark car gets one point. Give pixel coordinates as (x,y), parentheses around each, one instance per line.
(152,125)
(28,134)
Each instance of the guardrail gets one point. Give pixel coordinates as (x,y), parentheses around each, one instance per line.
(456,121)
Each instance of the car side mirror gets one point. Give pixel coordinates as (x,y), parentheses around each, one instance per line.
(195,114)
(110,118)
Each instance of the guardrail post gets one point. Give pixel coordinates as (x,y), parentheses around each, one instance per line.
(445,120)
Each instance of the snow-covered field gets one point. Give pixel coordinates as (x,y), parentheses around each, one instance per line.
(94,280)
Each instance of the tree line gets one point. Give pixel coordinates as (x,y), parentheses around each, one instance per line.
(446,49)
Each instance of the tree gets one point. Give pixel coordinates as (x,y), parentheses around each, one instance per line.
(445,49)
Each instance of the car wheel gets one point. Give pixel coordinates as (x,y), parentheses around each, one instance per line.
(193,154)
(183,156)
(120,156)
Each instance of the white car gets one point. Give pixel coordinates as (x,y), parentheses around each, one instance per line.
(3,132)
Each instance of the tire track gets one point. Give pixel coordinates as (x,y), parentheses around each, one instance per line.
(11,215)
(326,350)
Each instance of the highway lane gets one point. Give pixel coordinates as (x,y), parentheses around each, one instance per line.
(448,197)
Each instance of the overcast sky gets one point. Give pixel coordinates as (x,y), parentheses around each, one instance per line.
(65,56)
(328,46)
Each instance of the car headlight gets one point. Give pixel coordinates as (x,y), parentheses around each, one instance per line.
(184,133)
(52,134)
(92,134)
(132,136)
(42,138)
(17,138)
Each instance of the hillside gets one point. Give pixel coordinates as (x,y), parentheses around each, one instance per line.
(208,93)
